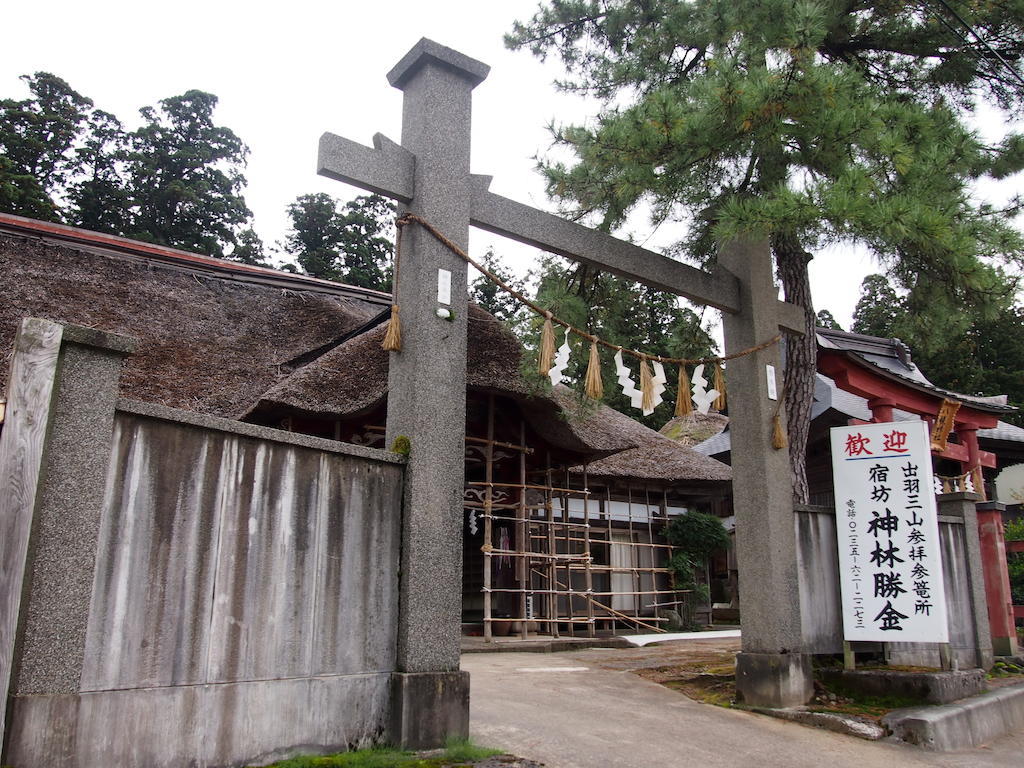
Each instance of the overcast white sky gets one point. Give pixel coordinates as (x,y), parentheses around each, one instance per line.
(287,72)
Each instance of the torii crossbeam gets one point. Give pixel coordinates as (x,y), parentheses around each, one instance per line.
(429,174)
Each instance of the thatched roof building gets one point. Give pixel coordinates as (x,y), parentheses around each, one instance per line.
(695,427)
(655,458)
(239,341)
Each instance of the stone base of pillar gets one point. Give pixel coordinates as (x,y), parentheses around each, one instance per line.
(1005,646)
(428,708)
(774,679)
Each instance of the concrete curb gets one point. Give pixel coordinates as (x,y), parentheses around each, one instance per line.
(851,726)
(962,725)
(477,645)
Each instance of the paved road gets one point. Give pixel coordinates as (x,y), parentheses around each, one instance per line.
(566,711)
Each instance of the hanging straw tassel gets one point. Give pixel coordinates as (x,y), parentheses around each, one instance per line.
(547,346)
(646,384)
(719,387)
(393,338)
(684,403)
(593,385)
(778,433)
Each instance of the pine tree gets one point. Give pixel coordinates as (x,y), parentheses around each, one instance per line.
(826,320)
(879,309)
(808,122)
(98,198)
(176,180)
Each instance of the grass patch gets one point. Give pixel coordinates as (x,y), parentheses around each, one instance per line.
(465,751)
(719,690)
(1006,669)
(849,702)
(457,752)
(709,678)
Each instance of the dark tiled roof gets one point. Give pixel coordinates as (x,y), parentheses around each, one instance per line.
(891,358)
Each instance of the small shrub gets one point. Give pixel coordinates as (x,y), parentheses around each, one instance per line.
(1014,530)
(1015,565)
(697,534)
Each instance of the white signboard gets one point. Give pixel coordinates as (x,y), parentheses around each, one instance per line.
(890,566)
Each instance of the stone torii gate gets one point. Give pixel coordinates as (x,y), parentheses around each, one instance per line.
(429,174)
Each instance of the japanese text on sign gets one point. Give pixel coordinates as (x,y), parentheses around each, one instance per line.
(888,534)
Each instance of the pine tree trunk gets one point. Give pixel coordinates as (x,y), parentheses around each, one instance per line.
(791,260)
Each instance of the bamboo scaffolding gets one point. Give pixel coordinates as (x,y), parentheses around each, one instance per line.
(488,522)
(564,509)
(624,616)
(552,599)
(469,439)
(588,575)
(646,622)
(535,521)
(528,487)
(627,569)
(521,535)
(537,555)
(564,539)
(620,543)
(561,620)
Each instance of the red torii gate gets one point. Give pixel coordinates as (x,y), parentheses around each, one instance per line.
(886,391)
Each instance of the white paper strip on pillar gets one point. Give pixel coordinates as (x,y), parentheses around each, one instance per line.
(769,372)
(444,286)
(890,558)
(560,363)
(622,373)
(702,396)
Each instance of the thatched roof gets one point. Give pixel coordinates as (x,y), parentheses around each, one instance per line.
(694,427)
(352,379)
(208,344)
(655,456)
(229,340)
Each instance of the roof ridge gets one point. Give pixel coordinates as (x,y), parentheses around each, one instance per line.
(165,255)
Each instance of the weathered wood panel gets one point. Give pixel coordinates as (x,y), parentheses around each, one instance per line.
(822,629)
(226,558)
(818,564)
(963,640)
(251,723)
(29,397)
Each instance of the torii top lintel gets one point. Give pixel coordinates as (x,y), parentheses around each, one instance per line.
(389,169)
(427,51)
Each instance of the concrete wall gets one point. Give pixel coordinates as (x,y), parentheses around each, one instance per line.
(240,598)
(224,558)
(817,560)
(818,563)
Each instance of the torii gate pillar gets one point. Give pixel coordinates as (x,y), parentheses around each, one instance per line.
(427,396)
(771,670)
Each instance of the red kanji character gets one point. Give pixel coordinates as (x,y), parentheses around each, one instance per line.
(857,444)
(895,441)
